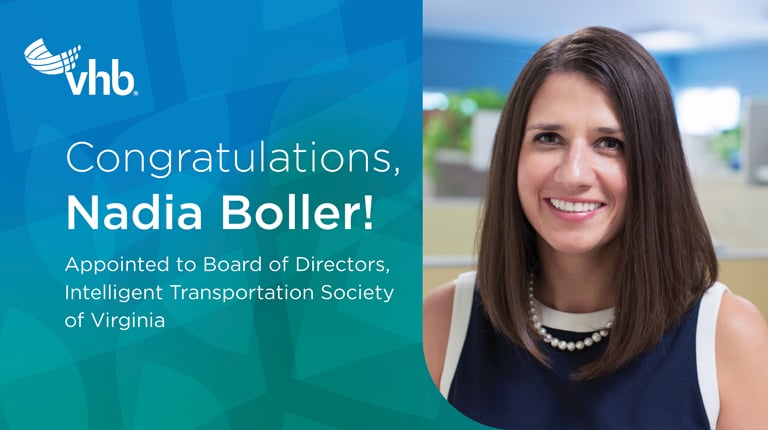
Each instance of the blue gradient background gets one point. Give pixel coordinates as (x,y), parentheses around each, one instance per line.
(346,74)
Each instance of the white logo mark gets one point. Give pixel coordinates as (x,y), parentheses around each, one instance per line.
(113,81)
(43,61)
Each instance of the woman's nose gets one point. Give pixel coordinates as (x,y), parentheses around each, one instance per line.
(575,168)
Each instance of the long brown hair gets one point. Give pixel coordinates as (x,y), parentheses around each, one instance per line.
(667,259)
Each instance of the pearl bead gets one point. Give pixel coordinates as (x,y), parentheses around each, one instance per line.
(555,342)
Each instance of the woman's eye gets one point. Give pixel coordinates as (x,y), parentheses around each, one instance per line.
(611,144)
(548,138)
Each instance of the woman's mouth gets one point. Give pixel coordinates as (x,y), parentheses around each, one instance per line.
(578,207)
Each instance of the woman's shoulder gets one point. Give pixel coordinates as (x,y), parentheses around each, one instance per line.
(438,310)
(446,315)
(741,353)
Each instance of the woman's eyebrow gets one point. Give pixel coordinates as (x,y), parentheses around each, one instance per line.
(558,127)
(544,126)
(608,130)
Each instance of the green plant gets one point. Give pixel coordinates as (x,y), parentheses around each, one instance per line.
(726,144)
(451,128)
(487,98)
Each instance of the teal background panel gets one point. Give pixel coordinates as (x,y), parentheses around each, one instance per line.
(273,74)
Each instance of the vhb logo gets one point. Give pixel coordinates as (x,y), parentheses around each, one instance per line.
(43,61)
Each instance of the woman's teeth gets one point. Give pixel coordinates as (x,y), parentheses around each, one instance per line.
(574,207)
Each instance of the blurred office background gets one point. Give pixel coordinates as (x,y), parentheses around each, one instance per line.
(715,56)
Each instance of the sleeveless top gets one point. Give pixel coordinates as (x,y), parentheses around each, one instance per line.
(495,382)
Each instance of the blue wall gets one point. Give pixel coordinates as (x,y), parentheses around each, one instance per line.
(743,68)
(456,64)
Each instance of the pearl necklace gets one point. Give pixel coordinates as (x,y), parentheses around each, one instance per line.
(555,342)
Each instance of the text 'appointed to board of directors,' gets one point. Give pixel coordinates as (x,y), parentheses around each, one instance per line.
(286,264)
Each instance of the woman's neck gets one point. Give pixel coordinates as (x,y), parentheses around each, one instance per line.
(576,283)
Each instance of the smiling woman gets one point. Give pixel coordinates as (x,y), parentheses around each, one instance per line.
(595,303)
(571,176)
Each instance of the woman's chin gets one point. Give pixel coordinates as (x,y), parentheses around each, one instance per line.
(576,247)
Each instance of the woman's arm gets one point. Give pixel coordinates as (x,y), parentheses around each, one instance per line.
(438,307)
(741,349)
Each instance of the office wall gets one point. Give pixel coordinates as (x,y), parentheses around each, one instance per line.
(740,67)
(455,64)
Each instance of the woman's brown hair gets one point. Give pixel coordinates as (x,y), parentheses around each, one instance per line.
(667,259)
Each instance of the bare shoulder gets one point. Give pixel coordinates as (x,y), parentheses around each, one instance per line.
(438,309)
(741,343)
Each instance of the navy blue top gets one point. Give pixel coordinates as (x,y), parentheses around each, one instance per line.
(500,384)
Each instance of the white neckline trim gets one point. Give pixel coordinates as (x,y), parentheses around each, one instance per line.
(463,296)
(575,322)
(706,365)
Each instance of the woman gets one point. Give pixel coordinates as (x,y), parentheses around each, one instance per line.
(595,303)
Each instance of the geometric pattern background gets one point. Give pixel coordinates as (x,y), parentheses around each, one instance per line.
(343,74)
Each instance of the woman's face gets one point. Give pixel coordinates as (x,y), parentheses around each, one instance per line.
(572,175)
